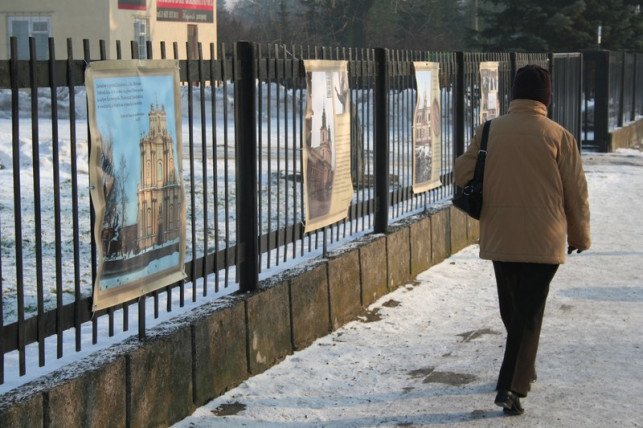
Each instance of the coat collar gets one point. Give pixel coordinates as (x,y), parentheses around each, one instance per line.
(527,106)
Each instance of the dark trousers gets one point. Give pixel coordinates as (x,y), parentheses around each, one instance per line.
(522,292)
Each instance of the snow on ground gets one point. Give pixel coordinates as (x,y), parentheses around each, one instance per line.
(428,353)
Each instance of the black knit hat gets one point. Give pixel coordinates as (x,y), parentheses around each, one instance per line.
(532,83)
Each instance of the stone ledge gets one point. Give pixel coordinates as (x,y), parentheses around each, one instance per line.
(309,305)
(268,327)
(344,288)
(221,359)
(421,244)
(374,274)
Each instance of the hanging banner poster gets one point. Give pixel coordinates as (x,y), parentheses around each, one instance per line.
(427,129)
(328,189)
(135,177)
(490,103)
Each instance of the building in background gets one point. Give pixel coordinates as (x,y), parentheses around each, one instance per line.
(186,22)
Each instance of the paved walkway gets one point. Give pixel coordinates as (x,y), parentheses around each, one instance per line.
(428,353)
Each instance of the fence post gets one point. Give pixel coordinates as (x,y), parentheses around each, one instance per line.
(553,79)
(635,88)
(631,114)
(601,101)
(245,73)
(579,100)
(458,126)
(15,137)
(380,120)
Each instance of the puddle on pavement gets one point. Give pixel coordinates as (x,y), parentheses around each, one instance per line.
(370,316)
(229,409)
(448,378)
(391,303)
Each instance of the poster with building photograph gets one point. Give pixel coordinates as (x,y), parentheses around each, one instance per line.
(490,103)
(427,129)
(135,177)
(328,189)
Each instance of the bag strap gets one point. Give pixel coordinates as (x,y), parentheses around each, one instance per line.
(482,154)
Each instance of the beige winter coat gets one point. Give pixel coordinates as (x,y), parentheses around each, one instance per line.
(535,192)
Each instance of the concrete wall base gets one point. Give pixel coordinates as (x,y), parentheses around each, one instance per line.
(629,136)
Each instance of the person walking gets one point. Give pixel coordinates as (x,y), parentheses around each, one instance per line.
(535,207)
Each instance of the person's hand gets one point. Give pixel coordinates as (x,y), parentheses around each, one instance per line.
(571,249)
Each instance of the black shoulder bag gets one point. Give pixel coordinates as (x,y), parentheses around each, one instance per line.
(470,199)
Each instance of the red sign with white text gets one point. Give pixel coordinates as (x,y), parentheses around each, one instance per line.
(185,10)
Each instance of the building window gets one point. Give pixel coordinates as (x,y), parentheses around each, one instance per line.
(38,27)
(141,35)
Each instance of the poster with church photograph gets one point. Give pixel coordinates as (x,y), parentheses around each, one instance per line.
(427,129)
(328,189)
(135,177)
(489,103)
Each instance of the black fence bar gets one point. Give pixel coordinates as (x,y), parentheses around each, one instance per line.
(74,202)
(615,107)
(600,95)
(17,212)
(627,99)
(189,65)
(459,93)
(638,86)
(288,157)
(57,203)
(215,69)
(37,211)
(110,311)
(381,132)
(246,155)
(262,75)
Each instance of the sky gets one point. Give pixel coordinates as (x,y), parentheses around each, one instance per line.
(429,352)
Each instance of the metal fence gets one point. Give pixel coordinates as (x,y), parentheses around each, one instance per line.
(567,91)
(612,95)
(243,136)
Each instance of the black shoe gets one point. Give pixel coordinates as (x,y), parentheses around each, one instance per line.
(509,402)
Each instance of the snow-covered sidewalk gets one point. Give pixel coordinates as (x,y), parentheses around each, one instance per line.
(428,353)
